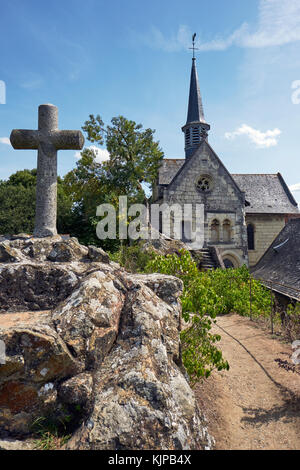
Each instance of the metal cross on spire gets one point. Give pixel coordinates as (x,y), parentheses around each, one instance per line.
(194,48)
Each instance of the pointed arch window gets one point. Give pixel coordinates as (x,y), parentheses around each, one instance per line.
(215,231)
(250,234)
(226,231)
(186,230)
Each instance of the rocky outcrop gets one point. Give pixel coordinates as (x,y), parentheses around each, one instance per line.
(105,349)
(163,245)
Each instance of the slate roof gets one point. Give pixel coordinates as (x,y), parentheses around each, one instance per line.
(195,108)
(169,168)
(266,193)
(279,268)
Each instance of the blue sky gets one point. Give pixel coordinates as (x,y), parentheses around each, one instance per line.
(132,58)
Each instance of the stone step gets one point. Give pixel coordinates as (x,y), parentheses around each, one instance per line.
(206,262)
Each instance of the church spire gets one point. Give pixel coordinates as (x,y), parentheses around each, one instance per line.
(196,128)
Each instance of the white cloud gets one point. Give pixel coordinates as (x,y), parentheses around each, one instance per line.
(32,84)
(5,140)
(260,139)
(178,41)
(278,24)
(295,187)
(101,154)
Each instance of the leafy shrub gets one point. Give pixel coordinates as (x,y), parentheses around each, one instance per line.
(206,294)
(292,323)
(132,258)
(199,306)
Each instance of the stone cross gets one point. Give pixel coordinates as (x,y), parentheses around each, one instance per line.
(47,140)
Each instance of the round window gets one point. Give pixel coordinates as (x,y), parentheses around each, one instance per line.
(204,184)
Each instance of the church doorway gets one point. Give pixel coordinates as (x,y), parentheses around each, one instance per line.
(230,260)
(228,264)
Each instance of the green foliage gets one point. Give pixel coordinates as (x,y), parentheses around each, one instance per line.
(134,161)
(17,204)
(17,209)
(199,353)
(206,295)
(51,433)
(25,178)
(133,164)
(134,156)
(291,323)
(132,258)
(94,129)
(232,289)
(54,429)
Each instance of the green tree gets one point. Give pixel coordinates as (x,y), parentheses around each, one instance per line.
(132,165)
(17,204)
(134,156)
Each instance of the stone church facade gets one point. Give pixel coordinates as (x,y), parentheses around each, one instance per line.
(243,213)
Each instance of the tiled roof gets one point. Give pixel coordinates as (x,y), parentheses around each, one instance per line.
(169,168)
(266,194)
(279,268)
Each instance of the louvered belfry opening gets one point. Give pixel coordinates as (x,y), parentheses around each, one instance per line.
(196,135)
(188,137)
(196,128)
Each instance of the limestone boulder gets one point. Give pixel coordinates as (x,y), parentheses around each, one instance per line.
(34,286)
(97,254)
(56,249)
(84,336)
(36,359)
(142,399)
(163,245)
(77,390)
(89,320)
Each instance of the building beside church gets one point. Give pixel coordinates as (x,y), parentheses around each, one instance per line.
(243,212)
(279,267)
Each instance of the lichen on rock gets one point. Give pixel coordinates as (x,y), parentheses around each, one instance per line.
(82,334)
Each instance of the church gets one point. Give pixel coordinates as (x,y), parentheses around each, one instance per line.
(243,213)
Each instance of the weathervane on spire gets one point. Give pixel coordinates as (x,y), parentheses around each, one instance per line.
(194,48)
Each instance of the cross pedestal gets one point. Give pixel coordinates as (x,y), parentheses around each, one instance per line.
(47,140)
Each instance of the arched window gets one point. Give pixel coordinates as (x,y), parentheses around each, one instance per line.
(160,222)
(215,231)
(186,231)
(226,231)
(250,234)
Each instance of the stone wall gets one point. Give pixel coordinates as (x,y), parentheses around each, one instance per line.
(223,202)
(266,229)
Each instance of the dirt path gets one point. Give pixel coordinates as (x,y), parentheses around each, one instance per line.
(255,405)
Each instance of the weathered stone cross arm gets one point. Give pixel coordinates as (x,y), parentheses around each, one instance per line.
(24,139)
(48,139)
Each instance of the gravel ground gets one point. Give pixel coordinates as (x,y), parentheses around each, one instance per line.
(256,404)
